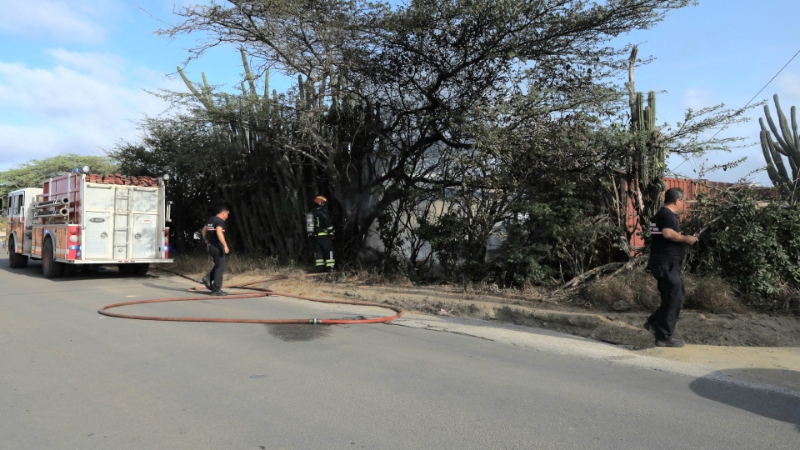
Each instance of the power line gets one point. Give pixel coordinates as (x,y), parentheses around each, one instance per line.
(751,100)
(759,92)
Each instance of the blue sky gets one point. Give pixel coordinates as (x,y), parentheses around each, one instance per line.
(73,73)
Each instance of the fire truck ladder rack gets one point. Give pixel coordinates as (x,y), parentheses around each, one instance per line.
(121,217)
(51,203)
(63,212)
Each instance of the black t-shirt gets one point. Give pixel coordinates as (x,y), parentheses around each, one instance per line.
(662,247)
(212,224)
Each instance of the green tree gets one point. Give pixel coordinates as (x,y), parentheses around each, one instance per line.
(32,173)
(394,100)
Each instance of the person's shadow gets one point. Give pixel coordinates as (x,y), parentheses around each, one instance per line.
(774,405)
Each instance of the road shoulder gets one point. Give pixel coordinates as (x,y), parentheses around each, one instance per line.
(773,369)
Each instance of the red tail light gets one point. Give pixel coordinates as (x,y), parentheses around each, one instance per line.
(73,242)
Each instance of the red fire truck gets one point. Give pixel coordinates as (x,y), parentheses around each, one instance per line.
(78,219)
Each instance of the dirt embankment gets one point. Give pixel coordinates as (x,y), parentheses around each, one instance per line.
(558,312)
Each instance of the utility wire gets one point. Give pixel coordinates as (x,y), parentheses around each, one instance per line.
(759,92)
(751,100)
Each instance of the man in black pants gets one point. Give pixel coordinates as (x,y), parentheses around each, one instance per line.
(321,235)
(666,258)
(214,235)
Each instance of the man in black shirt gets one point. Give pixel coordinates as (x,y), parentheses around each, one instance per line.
(214,235)
(666,257)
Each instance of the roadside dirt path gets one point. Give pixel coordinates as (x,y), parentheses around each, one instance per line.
(767,365)
(560,313)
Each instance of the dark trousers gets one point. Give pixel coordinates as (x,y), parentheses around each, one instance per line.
(323,252)
(670,285)
(217,253)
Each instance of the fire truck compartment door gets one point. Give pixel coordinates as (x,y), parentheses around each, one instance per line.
(145,238)
(97,235)
(99,197)
(145,200)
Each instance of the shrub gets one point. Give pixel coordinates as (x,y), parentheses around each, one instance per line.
(753,245)
(553,241)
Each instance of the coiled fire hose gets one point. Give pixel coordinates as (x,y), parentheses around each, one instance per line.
(261,292)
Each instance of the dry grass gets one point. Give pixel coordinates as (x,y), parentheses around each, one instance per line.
(710,294)
(375,277)
(198,263)
(634,290)
(789,299)
(638,289)
(610,293)
(645,289)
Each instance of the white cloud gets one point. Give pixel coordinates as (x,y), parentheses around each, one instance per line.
(101,65)
(65,21)
(697,99)
(37,142)
(789,86)
(87,102)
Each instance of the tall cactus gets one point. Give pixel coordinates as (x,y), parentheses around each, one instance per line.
(786,143)
(646,162)
(647,159)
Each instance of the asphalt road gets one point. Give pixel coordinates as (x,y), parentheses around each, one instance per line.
(73,379)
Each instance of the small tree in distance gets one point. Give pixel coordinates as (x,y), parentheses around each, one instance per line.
(33,172)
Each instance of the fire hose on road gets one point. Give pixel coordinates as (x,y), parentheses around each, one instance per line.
(261,292)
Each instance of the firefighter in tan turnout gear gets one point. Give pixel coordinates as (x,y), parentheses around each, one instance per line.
(320,228)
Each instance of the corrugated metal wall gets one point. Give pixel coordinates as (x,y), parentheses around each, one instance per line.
(691,189)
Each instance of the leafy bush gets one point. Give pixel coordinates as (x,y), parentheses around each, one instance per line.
(459,242)
(753,244)
(554,240)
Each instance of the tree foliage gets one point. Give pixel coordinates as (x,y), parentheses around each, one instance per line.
(433,125)
(32,173)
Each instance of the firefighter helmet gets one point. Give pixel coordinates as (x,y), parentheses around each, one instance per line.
(320,200)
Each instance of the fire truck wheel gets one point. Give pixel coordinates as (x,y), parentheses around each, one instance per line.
(141,269)
(50,267)
(15,260)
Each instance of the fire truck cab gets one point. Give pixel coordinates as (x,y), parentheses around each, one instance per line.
(20,220)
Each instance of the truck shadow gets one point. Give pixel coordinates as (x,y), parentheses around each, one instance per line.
(34,270)
(165,288)
(770,404)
